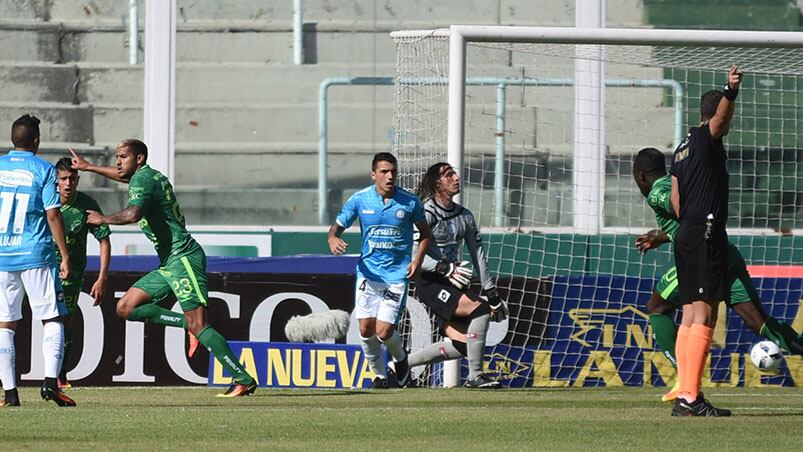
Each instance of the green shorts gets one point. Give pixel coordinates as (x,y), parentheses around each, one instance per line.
(72,291)
(184,276)
(742,289)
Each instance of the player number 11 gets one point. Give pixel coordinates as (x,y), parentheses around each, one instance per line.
(6,203)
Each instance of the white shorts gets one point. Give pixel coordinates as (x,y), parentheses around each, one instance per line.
(44,294)
(379,300)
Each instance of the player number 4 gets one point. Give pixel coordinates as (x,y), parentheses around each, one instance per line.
(6,205)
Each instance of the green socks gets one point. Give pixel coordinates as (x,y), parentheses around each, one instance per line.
(158,315)
(665,334)
(783,335)
(66,354)
(217,345)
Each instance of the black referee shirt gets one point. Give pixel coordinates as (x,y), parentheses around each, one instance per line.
(700,166)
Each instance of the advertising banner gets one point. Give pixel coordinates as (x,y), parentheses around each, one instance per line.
(284,365)
(562,331)
(599,334)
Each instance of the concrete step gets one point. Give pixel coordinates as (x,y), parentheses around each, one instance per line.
(401,12)
(25,41)
(361,124)
(223,205)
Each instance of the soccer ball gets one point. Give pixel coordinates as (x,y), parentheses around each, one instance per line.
(766,356)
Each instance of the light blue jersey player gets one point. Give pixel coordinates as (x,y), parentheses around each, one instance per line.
(30,221)
(387,215)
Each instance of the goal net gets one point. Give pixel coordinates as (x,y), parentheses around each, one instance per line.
(550,134)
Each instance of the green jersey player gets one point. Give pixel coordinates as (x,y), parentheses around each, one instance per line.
(74,208)
(649,171)
(182,270)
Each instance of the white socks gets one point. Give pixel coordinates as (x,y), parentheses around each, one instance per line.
(8,356)
(52,347)
(395,347)
(373,353)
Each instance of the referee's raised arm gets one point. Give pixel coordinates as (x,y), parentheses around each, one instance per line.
(721,121)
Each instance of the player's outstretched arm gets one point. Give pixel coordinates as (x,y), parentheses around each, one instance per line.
(129,215)
(336,245)
(99,288)
(425,235)
(56,223)
(81,164)
(721,122)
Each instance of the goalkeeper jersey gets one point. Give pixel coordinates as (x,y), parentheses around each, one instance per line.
(450,229)
(387,232)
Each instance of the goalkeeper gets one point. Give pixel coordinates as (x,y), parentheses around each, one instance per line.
(649,171)
(443,283)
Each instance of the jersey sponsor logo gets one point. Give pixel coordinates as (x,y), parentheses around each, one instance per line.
(392,296)
(681,155)
(377,245)
(391,232)
(16,178)
(367,212)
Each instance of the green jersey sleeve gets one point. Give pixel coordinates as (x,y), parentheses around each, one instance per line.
(141,190)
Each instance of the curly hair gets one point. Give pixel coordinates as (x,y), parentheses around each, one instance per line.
(429,183)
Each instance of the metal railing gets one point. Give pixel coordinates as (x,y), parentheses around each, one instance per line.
(501,84)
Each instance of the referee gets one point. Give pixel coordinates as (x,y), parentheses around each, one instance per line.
(700,198)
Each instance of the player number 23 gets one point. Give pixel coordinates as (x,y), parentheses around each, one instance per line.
(182,286)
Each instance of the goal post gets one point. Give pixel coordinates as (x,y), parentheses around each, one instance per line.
(555,196)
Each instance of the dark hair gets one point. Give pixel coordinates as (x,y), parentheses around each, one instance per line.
(650,161)
(429,183)
(709,103)
(25,132)
(137,147)
(65,164)
(383,157)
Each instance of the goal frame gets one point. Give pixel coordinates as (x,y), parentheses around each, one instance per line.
(589,128)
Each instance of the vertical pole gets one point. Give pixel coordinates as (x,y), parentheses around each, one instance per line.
(588,176)
(133,31)
(454,145)
(677,89)
(298,32)
(499,166)
(160,84)
(323,150)
(457,94)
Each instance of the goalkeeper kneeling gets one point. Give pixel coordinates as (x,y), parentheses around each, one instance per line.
(444,280)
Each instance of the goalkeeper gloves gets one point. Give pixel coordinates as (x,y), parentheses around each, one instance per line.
(459,274)
(499,310)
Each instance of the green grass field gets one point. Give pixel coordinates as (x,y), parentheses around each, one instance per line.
(414,419)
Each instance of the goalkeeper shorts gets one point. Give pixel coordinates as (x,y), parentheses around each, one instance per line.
(439,295)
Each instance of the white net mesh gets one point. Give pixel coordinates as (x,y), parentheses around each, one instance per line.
(578,302)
